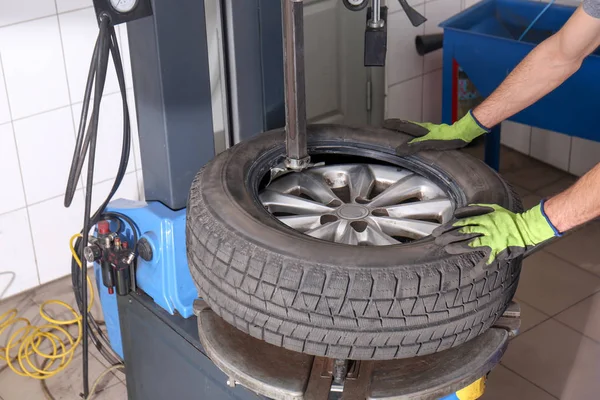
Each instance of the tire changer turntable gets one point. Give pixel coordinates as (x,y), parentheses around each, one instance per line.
(173,345)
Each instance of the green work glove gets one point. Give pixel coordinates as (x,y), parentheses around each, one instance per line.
(503,234)
(437,137)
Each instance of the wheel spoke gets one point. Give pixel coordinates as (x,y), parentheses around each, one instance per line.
(345,234)
(408,228)
(286,203)
(361,182)
(302,223)
(404,189)
(374,236)
(431,209)
(308,184)
(325,232)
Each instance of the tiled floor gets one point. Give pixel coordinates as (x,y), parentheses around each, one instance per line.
(556,355)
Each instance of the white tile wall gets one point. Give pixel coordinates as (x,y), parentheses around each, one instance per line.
(124,47)
(45,142)
(403,62)
(516,136)
(12,197)
(551,147)
(585,154)
(436,12)
(110,137)
(34,67)
(432,97)
(19,11)
(128,190)
(44,60)
(134,130)
(79,31)
(469,3)
(70,5)
(52,225)
(4,109)
(405,100)
(18,270)
(140,179)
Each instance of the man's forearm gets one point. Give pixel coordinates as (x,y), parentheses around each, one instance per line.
(576,205)
(542,71)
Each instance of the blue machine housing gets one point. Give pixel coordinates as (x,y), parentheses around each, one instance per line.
(166,277)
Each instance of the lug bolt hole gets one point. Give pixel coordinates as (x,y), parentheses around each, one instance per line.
(335,203)
(325,219)
(380,212)
(359,226)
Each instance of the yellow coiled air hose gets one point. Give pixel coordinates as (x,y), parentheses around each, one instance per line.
(27,339)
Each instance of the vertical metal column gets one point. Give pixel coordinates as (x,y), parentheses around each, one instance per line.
(254,65)
(295,95)
(169,60)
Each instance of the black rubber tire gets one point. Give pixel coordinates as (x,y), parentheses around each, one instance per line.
(335,300)
(358,7)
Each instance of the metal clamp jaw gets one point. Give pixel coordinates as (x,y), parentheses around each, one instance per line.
(278,373)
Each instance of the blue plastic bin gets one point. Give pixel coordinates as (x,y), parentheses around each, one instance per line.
(483,40)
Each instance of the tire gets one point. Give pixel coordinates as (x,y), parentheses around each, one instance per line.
(334,300)
(357,6)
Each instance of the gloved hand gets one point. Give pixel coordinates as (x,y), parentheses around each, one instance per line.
(503,234)
(438,137)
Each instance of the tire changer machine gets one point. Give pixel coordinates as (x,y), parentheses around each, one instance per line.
(173,345)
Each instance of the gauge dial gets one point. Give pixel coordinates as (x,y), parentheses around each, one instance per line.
(123,6)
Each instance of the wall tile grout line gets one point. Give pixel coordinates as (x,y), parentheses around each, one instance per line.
(62,194)
(421,75)
(45,16)
(12,211)
(27,20)
(56,108)
(575,330)
(423,69)
(123,55)
(62,47)
(20,172)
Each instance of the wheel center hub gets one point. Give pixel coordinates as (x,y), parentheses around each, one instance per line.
(352,211)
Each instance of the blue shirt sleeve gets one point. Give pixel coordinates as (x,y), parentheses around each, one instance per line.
(592,8)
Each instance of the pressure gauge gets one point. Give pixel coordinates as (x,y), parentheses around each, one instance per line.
(123,6)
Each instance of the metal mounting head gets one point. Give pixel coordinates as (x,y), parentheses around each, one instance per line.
(296,164)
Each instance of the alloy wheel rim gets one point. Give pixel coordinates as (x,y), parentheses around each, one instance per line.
(358,204)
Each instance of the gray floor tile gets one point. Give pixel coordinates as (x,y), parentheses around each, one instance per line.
(116,392)
(16,302)
(503,384)
(521,191)
(580,247)
(557,187)
(552,285)
(62,290)
(558,359)
(531,200)
(584,317)
(476,151)
(26,309)
(530,317)
(511,160)
(65,385)
(534,178)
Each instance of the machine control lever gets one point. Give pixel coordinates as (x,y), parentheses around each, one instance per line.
(295,95)
(413,15)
